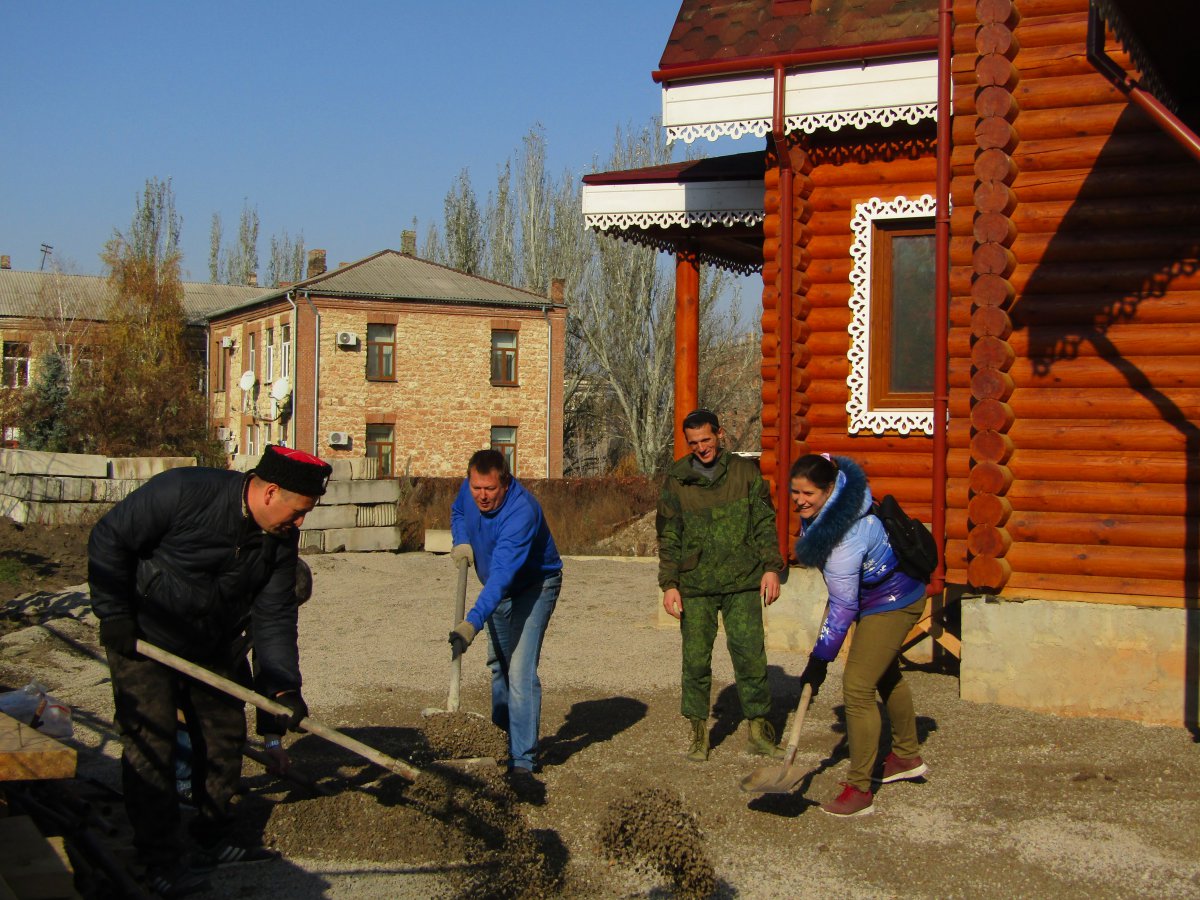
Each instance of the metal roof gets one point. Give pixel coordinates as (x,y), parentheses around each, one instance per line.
(390,275)
(56,295)
(715,30)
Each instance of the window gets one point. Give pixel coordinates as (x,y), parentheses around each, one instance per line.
(381,352)
(16,364)
(269,353)
(504,439)
(285,360)
(891,331)
(252,359)
(504,357)
(251,435)
(381,442)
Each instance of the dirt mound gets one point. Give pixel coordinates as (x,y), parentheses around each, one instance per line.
(41,557)
(651,829)
(461,735)
(634,537)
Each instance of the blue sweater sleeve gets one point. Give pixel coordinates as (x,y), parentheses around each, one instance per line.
(843,576)
(514,540)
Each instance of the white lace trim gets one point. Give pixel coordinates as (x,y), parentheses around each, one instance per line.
(862,417)
(703,218)
(832,121)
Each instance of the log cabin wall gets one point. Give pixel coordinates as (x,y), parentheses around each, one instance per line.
(842,169)
(1075,322)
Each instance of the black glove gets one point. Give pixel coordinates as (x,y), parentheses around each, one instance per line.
(119,634)
(293,701)
(814,674)
(462,635)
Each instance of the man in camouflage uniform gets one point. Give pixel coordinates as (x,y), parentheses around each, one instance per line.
(717,552)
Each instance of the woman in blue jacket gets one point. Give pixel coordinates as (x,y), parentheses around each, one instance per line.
(839,536)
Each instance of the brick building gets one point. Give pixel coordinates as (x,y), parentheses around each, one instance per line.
(395,358)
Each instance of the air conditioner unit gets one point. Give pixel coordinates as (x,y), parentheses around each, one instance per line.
(339,439)
(222,433)
(226,343)
(347,339)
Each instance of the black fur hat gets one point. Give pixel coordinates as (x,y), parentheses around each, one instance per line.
(294,470)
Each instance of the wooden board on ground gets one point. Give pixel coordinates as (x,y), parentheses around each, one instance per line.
(26,754)
(33,867)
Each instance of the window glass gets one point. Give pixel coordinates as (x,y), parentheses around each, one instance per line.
(380,446)
(912,289)
(16,364)
(381,352)
(504,357)
(504,439)
(285,362)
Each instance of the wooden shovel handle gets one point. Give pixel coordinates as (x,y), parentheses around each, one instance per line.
(234,689)
(460,610)
(794,737)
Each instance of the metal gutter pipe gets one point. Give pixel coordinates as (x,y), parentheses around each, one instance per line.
(941,316)
(860,52)
(1151,105)
(549,381)
(295,355)
(316,373)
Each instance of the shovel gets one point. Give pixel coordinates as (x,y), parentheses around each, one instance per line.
(785,778)
(460,610)
(233,689)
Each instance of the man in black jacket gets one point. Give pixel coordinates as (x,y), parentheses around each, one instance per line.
(190,561)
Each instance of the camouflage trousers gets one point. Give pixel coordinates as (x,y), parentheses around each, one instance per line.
(741,614)
(148,696)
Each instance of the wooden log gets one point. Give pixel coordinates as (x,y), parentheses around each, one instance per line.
(1160,245)
(1110,468)
(996,446)
(1129,343)
(995,228)
(1097,498)
(995,133)
(995,197)
(991,384)
(992,290)
(989,509)
(1121,589)
(1173,308)
(997,39)
(1052,30)
(988,540)
(996,12)
(1085,529)
(990,321)
(989,477)
(1083,435)
(863,447)
(1100,152)
(1165,179)
(992,259)
(995,70)
(988,573)
(1073,559)
(1178,405)
(997,102)
(858,175)
(1181,210)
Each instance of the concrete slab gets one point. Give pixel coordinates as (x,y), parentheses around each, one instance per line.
(145,466)
(439,540)
(384,490)
(35,462)
(312,540)
(364,468)
(330,517)
(342,470)
(49,489)
(358,540)
(29,512)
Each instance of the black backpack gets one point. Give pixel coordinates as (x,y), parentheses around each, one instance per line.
(915,548)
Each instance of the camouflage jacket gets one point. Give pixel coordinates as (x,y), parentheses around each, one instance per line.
(716,536)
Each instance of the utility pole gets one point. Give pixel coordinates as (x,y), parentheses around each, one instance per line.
(46,251)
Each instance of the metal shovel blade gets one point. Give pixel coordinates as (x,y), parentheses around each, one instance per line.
(785,778)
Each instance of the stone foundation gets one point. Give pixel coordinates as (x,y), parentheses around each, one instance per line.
(1079,659)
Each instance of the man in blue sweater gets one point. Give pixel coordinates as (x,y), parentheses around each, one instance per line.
(498,527)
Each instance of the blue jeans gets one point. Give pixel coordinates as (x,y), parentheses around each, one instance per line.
(515,633)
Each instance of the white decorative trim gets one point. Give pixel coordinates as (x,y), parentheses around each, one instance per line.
(859,118)
(862,417)
(703,218)
(668,245)
(882,92)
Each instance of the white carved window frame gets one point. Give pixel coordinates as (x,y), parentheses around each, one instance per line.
(862,417)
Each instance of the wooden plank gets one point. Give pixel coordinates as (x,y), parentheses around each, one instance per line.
(30,865)
(26,754)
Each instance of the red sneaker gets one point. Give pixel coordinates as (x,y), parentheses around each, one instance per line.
(850,802)
(902,768)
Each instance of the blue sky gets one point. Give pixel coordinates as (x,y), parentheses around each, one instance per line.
(343,121)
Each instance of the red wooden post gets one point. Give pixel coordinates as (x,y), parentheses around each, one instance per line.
(687,341)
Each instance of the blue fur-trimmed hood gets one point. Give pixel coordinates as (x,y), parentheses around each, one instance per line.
(850,500)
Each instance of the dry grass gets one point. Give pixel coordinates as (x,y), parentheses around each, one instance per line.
(582,512)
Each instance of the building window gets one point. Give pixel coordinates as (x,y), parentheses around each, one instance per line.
(221,381)
(252,358)
(504,357)
(892,304)
(269,353)
(381,352)
(381,442)
(251,440)
(504,439)
(16,364)
(285,356)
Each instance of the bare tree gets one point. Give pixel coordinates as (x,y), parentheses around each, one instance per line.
(464,227)
(286,262)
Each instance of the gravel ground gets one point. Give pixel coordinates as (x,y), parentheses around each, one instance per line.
(1016,804)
